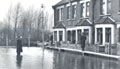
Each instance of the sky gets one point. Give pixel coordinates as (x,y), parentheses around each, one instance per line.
(5,5)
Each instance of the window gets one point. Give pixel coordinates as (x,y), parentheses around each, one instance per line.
(68,12)
(105,7)
(79,34)
(73,11)
(60,35)
(58,14)
(86,31)
(87,9)
(61,14)
(69,35)
(109,7)
(55,35)
(108,34)
(99,35)
(84,10)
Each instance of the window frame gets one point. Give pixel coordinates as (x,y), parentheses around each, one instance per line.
(60,15)
(105,7)
(84,8)
(55,35)
(68,12)
(73,11)
(107,34)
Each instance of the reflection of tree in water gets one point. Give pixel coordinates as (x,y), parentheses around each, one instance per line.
(19,61)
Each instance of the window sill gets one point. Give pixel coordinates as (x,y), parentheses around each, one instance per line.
(60,21)
(106,15)
(73,18)
(84,17)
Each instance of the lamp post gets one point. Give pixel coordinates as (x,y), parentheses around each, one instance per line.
(42,7)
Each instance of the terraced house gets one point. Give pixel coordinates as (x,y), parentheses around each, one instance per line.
(99,19)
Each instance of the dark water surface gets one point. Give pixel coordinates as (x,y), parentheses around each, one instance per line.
(37,58)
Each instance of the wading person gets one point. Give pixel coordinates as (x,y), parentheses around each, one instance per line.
(19,45)
(83,39)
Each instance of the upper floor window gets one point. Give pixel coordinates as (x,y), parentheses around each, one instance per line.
(84,10)
(61,17)
(73,11)
(87,8)
(60,13)
(68,12)
(109,7)
(105,7)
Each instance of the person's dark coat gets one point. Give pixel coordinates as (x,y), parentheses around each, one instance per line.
(83,38)
(19,45)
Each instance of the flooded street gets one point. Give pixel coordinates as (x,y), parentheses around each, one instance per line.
(38,58)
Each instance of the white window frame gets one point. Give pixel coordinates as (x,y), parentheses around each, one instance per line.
(68,13)
(74,4)
(106,8)
(85,6)
(60,12)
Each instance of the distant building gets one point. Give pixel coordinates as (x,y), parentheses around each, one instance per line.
(99,19)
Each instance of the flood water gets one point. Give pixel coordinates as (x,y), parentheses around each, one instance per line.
(38,58)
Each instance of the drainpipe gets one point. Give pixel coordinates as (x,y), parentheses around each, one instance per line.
(93,24)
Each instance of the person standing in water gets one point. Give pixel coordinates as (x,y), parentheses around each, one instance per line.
(19,45)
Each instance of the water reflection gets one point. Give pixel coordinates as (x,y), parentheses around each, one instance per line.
(63,60)
(39,58)
(19,61)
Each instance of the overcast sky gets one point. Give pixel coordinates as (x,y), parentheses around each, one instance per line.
(5,4)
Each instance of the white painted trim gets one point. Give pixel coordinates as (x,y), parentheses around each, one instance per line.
(58,33)
(112,19)
(103,26)
(84,1)
(82,30)
(89,21)
(118,25)
(84,11)
(76,35)
(59,7)
(74,3)
(67,5)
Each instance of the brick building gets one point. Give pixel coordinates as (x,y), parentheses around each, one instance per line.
(99,19)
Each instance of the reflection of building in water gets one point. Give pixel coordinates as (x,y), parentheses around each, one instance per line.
(63,60)
(19,61)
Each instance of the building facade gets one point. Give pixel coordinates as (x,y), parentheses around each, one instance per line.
(99,19)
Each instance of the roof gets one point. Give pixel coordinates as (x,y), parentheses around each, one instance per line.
(62,2)
(84,22)
(60,25)
(105,20)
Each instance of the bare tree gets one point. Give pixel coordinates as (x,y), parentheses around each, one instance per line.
(16,17)
(31,20)
(8,21)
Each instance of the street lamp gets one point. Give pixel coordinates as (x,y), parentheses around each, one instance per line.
(42,7)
